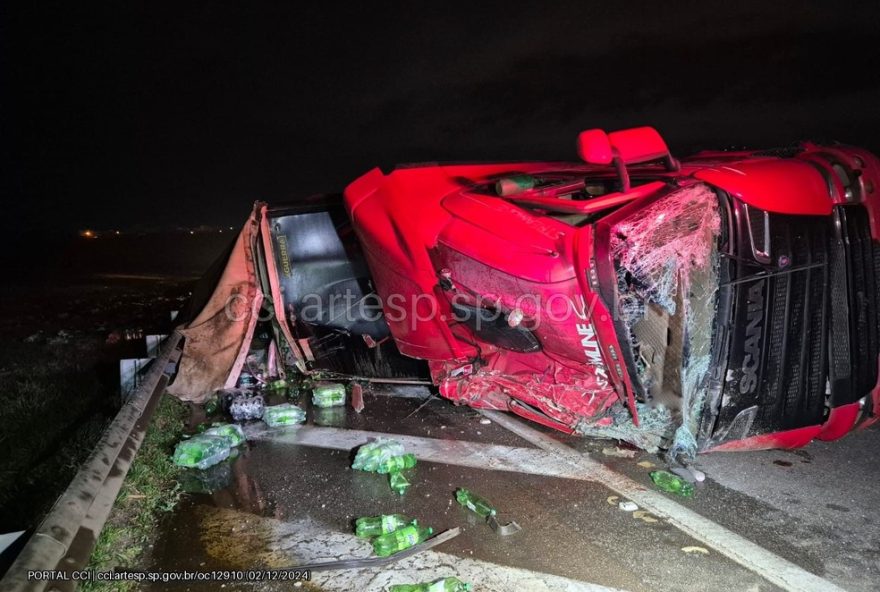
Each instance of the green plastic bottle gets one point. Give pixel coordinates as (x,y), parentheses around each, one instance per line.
(232,432)
(399,484)
(328,394)
(672,483)
(515,184)
(200,452)
(284,414)
(372,454)
(400,539)
(370,526)
(444,585)
(397,463)
(473,502)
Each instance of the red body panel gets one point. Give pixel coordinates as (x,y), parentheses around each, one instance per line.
(434,240)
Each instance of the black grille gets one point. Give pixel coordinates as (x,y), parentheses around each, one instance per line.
(778,356)
(858,289)
(792,387)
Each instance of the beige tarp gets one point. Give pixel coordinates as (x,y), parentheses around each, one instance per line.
(218,338)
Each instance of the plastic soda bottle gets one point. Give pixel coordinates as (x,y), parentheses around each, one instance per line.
(372,454)
(672,483)
(201,451)
(370,526)
(444,585)
(473,502)
(284,414)
(328,394)
(399,483)
(233,433)
(397,463)
(400,539)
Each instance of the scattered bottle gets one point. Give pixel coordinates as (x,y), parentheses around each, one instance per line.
(370,526)
(444,585)
(244,407)
(233,433)
(476,504)
(372,454)
(283,415)
(666,481)
(397,463)
(400,539)
(200,452)
(328,394)
(399,484)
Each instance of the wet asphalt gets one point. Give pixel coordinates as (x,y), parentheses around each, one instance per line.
(816,508)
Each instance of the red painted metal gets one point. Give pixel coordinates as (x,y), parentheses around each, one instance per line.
(435,236)
(840,421)
(787,439)
(775,185)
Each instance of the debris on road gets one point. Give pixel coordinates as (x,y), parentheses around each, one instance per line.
(397,463)
(696,550)
(689,474)
(208,448)
(476,504)
(485,421)
(328,394)
(646,464)
(202,451)
(401,539)
(372,454)
(370,526)
(244,406)
(233,433)
(357,397)
(386,457)
(283,415)
(612,500)
(399,484)
(666,481)
(503,529)
(628,506)
(618,452)
(644,516)
(444,585)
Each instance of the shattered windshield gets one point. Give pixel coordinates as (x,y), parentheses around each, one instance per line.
(666,258)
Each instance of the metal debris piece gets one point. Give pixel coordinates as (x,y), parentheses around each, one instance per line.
(503,529)
(628,506)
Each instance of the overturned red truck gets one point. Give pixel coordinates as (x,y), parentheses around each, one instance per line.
(726,301)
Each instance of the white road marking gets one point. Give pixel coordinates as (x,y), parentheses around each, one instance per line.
(753,557)
(554,459)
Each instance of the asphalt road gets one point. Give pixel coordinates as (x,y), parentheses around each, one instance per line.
(283,502)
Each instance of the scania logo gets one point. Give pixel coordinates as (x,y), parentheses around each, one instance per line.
(755,318)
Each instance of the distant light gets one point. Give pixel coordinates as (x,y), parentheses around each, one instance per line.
(231,228)
(192,231)
(221,231)
(88,234)
(118,233)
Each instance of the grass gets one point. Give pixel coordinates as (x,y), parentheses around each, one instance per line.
(150,490)
(53,409)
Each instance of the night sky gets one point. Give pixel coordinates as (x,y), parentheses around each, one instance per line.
(135,115)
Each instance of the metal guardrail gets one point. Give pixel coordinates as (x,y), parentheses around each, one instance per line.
(65,538)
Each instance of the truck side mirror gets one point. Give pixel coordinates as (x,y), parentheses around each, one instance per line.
(594,147)
(641,144)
